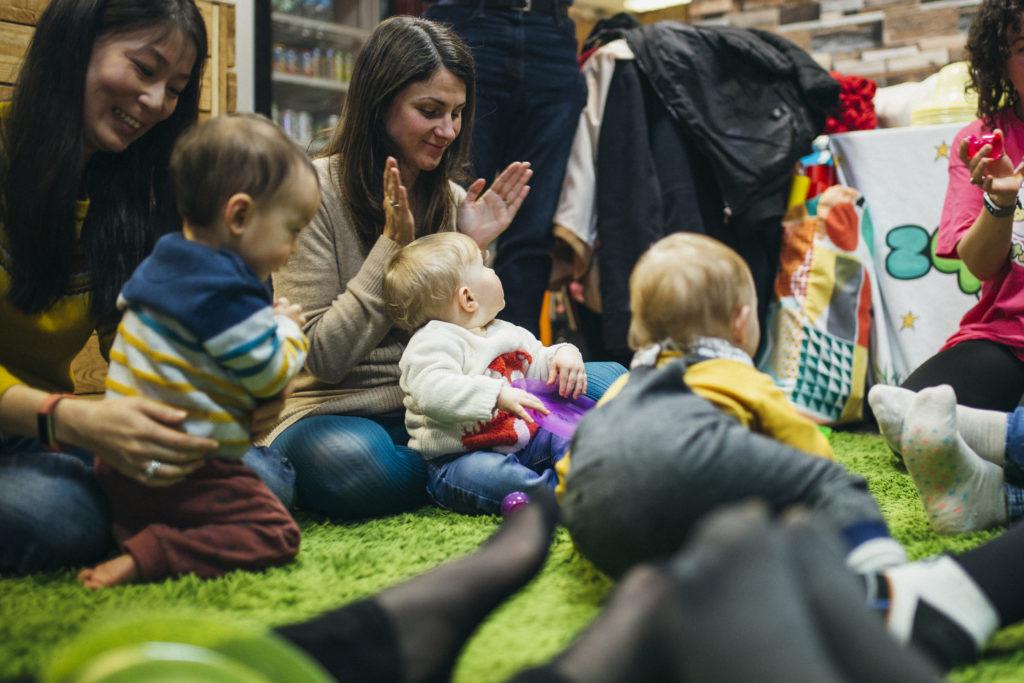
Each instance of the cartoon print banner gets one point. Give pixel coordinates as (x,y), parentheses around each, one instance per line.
(919,298)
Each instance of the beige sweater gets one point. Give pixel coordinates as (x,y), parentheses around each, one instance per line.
(352,367)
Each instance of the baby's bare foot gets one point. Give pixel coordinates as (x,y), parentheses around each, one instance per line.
(115,572)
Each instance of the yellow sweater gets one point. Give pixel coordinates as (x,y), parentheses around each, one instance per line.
(37,350)
(743,392)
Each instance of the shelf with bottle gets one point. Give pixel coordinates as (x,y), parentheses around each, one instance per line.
(326,68)
(309,129)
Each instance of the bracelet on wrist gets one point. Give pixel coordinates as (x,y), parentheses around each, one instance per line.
(996,209)
(46,424)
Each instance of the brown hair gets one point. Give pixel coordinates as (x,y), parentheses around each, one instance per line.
(401,50)
(988,49)
(686,286)
(423,277)
(231,154)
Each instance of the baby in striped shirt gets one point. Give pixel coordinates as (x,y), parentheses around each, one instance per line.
(200,332)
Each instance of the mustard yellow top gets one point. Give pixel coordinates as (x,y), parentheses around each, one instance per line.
(743,392)
(37,350)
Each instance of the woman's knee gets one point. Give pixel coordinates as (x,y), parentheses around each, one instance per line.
(600,376)
(350,467)
(49,521)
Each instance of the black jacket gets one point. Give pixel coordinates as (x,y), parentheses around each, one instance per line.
(706,119)
(751,101)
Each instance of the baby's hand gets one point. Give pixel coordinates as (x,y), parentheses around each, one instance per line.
(516,401)
(567,366)
(294,311)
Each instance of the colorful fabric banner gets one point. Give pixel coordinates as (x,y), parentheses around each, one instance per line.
(918,299)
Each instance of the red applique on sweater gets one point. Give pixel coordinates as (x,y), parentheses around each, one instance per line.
(504,433)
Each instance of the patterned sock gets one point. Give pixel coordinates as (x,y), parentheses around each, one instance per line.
(960,490)
(935,605)
(983,430)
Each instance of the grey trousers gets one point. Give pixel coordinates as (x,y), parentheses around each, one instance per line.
(647,465)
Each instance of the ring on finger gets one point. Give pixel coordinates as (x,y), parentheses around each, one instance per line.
(151,469)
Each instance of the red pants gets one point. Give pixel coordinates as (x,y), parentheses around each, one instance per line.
(219,519)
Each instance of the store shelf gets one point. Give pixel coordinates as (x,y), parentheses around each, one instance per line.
(321,26)
(310,82)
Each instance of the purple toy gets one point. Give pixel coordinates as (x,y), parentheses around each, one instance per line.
(565,414)
(512,501)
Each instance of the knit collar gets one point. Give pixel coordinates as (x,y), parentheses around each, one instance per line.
(699,349)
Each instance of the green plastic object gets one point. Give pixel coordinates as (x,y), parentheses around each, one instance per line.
(827,431)
(180,648)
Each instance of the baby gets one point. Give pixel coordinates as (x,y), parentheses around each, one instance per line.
(462,412)
(652,458)
(200,333)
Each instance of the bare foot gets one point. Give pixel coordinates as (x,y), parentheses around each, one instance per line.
(115,572)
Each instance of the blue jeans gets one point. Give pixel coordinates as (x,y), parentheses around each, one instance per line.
(476,482)
(52,512)
(529,94)
(349,467)
(54,515)
(274,470)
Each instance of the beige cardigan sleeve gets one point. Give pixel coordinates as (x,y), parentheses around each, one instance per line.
(340,289)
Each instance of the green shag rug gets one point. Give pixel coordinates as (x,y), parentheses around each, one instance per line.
(342,562)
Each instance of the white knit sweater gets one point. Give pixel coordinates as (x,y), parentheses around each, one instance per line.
(450,392)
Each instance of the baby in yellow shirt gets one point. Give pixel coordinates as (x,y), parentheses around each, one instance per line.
(692,296)
(695,425)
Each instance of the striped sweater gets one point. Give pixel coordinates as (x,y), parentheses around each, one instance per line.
(199,333)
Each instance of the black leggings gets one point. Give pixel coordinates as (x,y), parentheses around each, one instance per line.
(983,374)
(357,642)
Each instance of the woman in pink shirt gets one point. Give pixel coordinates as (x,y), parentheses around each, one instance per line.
(983,224)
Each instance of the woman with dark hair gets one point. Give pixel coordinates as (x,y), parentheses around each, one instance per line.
(981,223)
(105,89)
(409,110)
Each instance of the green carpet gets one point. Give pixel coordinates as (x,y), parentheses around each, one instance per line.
(340,563)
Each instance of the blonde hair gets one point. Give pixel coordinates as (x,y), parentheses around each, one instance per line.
(686,286)
(422,278)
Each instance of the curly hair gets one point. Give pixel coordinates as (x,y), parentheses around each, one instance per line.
(989,50)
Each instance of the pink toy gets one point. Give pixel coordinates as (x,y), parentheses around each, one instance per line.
(976,142)
(565,414)
(512,501)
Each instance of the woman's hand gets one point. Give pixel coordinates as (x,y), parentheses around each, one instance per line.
(130,434)
(485,216)
(399,224)
(568,368)
(998,177)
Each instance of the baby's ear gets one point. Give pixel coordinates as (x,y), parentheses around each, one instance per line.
(739,325)
(237,210)
(467,302)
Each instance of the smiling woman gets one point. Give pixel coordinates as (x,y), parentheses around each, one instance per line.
(105,89)
(409,110)
(133,82)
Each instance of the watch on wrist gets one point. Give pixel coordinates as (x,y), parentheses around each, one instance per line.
(995,209)
(46,425)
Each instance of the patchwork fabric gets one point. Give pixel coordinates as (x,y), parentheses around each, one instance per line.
(819,325)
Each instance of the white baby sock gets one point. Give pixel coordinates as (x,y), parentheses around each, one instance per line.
(938,607)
